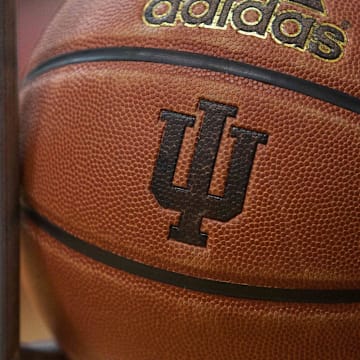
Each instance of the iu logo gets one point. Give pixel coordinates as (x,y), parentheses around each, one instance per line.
(194,201)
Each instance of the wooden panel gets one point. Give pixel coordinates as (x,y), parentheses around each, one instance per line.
(9,269)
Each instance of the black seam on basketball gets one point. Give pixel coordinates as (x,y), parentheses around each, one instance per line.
(188,282)
(205,62)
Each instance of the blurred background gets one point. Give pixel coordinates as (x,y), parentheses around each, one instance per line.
(32,18)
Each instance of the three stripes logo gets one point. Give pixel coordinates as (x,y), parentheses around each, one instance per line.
(291,23)
(312,4)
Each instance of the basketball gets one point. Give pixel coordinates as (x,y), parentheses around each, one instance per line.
(190,179)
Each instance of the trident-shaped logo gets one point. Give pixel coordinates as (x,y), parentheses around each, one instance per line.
(194,202)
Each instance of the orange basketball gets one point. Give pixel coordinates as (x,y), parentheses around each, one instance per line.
(191,179)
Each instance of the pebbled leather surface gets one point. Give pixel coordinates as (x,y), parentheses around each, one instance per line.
(119,23)
(100,313)
(90,138)
(89,160)
(32,19)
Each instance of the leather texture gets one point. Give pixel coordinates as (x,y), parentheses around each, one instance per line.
(90,138)
(32,19)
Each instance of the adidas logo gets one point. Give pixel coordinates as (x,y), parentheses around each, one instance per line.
(261,18)
(311,4)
